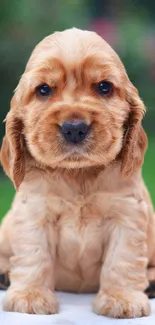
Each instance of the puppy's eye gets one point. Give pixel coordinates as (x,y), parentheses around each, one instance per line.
(44,90)
(104,88)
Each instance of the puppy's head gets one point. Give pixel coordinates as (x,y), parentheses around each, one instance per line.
(75,107)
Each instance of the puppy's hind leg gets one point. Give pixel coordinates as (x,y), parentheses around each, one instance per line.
(150,291)
(5,245)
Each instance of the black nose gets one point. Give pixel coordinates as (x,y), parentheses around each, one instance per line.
(74,132)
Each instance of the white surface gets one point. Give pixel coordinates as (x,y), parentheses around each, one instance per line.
(74,310)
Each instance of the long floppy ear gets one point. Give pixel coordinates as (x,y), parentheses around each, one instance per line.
(135,138)
(12,151)
(5,157)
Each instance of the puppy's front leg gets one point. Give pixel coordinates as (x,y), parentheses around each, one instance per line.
(32,266)
(123,276)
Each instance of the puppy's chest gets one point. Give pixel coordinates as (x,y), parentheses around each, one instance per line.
(78,221)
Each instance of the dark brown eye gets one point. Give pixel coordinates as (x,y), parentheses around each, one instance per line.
(104,88)
(44,90)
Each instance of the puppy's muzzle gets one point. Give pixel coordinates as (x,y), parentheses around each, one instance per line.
(74,132)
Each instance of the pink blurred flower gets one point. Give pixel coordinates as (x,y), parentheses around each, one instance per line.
(106,29)
(149,51)
(149,47)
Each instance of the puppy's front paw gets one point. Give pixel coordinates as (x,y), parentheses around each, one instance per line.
(125,305)
(31,301)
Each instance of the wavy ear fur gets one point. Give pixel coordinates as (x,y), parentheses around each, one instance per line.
(135,138)
(12,151)
(5,156)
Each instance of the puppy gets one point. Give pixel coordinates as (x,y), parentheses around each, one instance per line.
(82,219)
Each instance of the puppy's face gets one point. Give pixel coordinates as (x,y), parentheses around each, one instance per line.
(73,101)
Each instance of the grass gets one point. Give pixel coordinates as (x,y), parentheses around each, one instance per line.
(149,169)
(7,190)
(6,195)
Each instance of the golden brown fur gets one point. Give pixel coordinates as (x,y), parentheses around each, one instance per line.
(82,219)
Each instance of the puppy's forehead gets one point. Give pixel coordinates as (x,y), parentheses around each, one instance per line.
(71,46)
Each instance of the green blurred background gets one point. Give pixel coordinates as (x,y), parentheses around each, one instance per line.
(129,26)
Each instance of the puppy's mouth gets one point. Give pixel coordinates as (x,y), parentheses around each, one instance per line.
(75,151)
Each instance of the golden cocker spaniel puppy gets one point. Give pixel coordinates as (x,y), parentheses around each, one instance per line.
(82,219)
